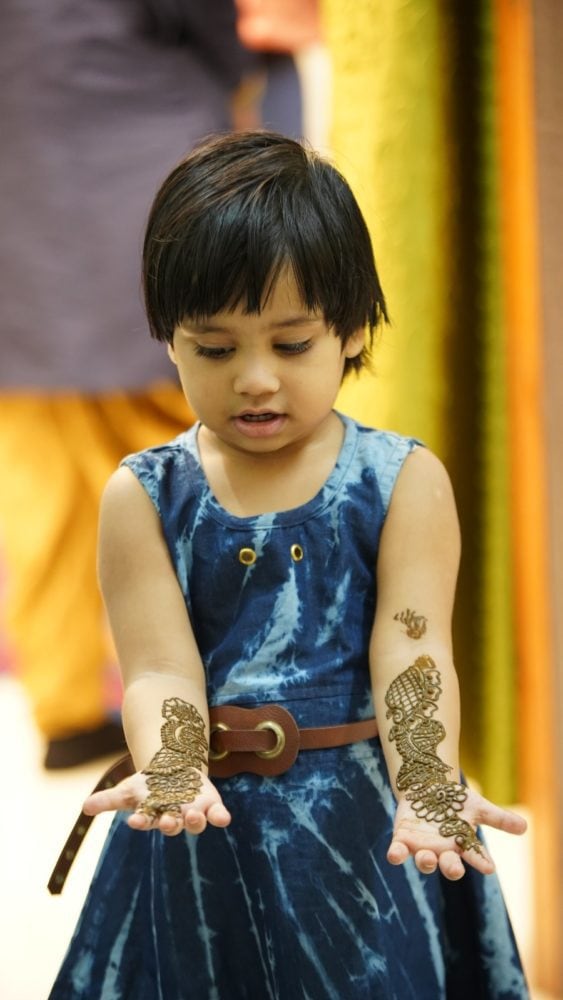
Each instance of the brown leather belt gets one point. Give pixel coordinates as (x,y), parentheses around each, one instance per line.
(263,740)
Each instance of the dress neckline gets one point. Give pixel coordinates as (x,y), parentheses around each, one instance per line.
(283,518)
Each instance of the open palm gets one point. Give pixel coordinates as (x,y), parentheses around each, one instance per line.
(422,839)
(132,792)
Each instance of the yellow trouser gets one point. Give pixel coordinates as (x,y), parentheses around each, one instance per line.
(56,453)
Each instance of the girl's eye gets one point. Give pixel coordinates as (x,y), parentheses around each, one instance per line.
(212,352)
(298,348)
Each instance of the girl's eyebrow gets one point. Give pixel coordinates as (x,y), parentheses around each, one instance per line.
(292,321)
(192,326)
(210,328)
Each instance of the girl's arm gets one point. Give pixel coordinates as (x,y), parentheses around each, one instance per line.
(162,670)
(414,682)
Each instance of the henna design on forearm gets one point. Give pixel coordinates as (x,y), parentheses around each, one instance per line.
(173,775)
(412,699)
(415,624)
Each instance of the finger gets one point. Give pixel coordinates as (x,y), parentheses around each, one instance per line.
(193,818)
(502,819)
(111,799)
(482,861)
(218,815)
(397,853)
(211,805)
(140,821)
(451,865)
(171,824)
(426,861)
(195,821)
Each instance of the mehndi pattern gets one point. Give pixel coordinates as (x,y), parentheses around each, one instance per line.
(412,699)
(415,624)
(173,775)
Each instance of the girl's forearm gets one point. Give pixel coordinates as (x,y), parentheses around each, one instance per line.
(143,704)
(422,711)
(416,697)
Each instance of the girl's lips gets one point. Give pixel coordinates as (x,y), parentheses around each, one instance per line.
(259,425)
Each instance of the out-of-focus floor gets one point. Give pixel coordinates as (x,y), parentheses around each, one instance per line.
(38,809)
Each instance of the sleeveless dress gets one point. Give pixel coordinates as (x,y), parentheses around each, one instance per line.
(295,899)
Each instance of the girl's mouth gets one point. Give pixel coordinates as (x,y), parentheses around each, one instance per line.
(258,417)
(259,424)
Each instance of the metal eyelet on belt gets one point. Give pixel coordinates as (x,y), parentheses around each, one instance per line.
(219,727)
(280,740)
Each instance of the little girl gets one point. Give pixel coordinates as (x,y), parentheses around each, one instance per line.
(277,579)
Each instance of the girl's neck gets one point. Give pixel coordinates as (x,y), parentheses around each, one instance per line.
(247,484)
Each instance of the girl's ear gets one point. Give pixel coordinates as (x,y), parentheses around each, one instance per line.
(355,344)
(171,354)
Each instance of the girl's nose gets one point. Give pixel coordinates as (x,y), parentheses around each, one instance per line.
(255,378)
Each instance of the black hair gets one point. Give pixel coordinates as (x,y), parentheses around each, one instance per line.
(236,212)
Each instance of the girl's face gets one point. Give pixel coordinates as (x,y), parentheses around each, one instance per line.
(262,383)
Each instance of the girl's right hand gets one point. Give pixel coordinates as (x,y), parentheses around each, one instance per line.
(422,839)
(130,793)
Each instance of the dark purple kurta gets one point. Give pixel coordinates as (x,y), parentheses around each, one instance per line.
(98,100)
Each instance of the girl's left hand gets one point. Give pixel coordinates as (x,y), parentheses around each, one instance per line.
(422,839)
(132,792)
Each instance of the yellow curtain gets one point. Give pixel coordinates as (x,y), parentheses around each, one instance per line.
(414,130)
(389,109)
(514,70)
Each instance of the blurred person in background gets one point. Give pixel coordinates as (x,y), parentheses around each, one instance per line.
(97,102)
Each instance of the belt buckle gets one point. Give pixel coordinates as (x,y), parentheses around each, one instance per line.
(279,733)
(215,755)
(272,718)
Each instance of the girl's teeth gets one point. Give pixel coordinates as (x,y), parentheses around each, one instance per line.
(257,416)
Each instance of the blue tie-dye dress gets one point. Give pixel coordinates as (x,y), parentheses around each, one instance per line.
(295,900)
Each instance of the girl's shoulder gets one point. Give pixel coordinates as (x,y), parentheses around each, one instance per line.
(379,454)
(165,468)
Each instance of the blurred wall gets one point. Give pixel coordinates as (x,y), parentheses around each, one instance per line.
(548,44)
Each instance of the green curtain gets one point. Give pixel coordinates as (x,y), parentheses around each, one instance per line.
(414,131)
